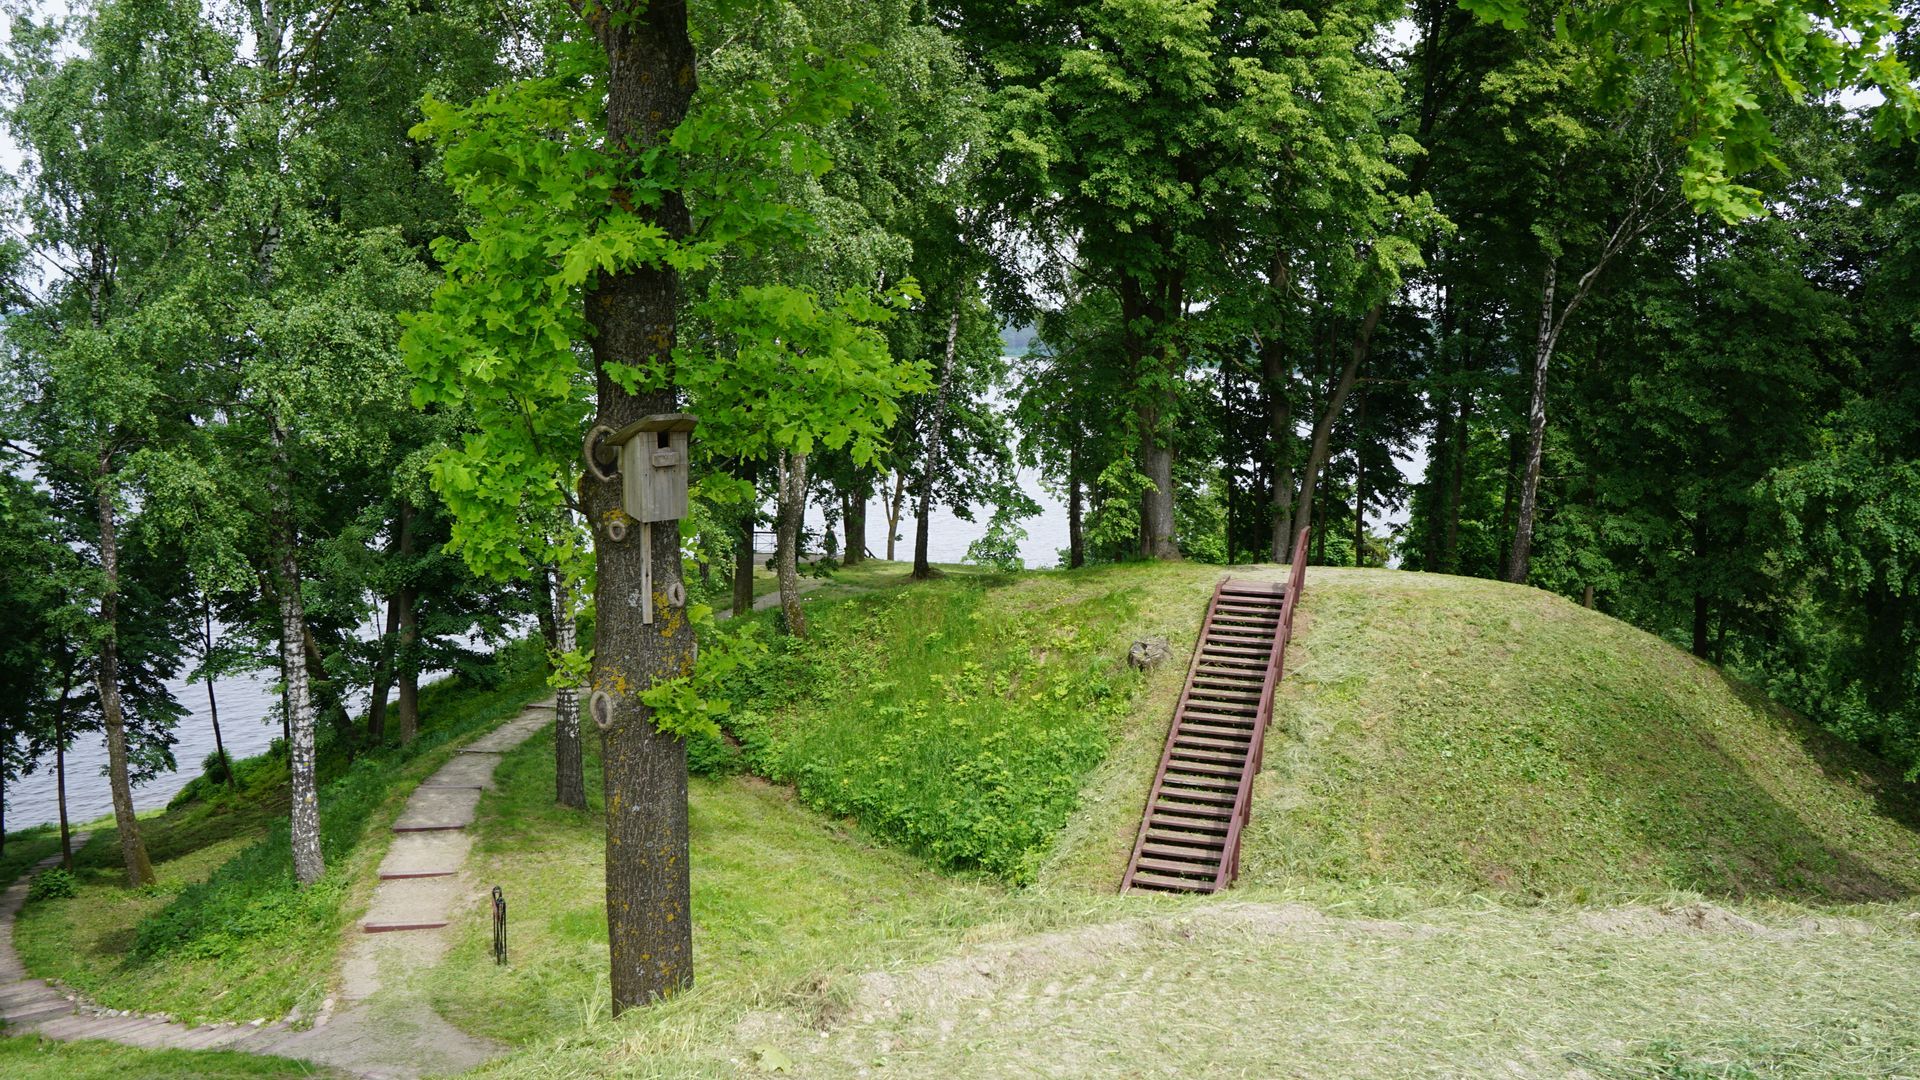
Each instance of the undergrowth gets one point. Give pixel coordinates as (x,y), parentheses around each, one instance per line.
(957,718)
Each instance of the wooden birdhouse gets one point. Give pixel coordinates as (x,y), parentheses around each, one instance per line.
(653,466)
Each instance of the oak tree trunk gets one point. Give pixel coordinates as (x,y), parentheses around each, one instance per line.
(60,773)
(936,439)
(853,518)
(133,851)
(744,557)
(790,509)
(213,706)
(1456,484)
(895,507)
(650,82)
(1076,540)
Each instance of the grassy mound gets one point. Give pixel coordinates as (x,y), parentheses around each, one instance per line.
(1472,734)
(960,717)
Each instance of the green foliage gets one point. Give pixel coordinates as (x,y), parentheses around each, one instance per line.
(1730,57)
(53,884)
(691,706)
(955,719)
(999,546)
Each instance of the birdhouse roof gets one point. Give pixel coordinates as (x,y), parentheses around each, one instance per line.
(677,421)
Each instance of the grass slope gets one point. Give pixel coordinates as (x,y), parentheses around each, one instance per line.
(1477,735)
(821,952)
(224,933)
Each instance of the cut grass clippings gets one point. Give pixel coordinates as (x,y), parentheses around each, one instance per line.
(34,1058)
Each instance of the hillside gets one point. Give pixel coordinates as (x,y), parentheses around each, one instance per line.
(1474,735)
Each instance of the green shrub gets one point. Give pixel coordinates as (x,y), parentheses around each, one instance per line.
(941,718)
(54,884)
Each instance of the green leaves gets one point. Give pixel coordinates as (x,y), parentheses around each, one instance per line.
(1731,57)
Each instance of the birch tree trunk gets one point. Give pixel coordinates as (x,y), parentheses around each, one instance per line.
(304,813)
(1520,555)
(569,768)
(792,507)
(133,851)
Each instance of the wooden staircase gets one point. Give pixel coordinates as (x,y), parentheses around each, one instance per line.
(1190,833)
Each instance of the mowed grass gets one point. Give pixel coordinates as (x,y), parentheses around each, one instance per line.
(224,933)
(1480,736)
(782,899)
(33,1058)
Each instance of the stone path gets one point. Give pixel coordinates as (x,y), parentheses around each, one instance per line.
(419,889)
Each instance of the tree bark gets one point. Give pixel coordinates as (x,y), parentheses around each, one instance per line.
(1360,480)
(569,767)
(791,509)
(1456,486)
(894,509)
(936,440)
(304,813)
(407,663)
(1520,554)
(1076,539)
(650,82)
(745,558)
(60,772)
(1702,603)
(853,518)
(1273,368)
(133,851)
(1323,426)
(213,706)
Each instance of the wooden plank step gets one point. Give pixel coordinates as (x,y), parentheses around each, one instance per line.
(1164,883)
(1189,767)
(1163,849)
(1189,783)
(1236,747)
(1244,586)
(1219,757)
(1205,868)
(1199,792)
(1213,713)
(1224,651)
(1167,810)
(1216,731)
(1160,834)
(1221,693)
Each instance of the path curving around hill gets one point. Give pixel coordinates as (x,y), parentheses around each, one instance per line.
(368,1032)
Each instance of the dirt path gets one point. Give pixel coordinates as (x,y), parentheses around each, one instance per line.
(395,1034)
